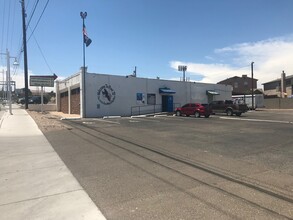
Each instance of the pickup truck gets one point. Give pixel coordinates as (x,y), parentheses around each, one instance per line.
(228,107)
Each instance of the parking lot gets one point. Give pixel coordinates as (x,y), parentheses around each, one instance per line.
(169,167)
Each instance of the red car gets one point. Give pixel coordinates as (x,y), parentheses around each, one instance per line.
(195,109)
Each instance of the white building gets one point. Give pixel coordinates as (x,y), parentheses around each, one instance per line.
(110,95)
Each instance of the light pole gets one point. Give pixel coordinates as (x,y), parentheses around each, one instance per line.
(252,92)
(8,57)
(183,69)
(83,16)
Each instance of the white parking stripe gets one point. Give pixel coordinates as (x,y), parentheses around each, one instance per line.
(104,120)
(257,120)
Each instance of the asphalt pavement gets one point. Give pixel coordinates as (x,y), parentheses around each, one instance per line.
(34,181)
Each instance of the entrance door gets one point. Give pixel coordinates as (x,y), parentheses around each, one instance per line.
(210,98)
(167,103)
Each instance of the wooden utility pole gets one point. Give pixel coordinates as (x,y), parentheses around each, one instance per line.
(24,55)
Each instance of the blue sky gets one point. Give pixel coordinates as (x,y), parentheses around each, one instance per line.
(216,39)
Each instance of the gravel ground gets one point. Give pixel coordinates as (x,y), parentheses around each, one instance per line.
(48,121)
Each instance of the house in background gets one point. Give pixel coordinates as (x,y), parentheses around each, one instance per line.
(241,85)
(281,87)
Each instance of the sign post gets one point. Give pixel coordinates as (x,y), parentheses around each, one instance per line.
(46,81)
(43,81)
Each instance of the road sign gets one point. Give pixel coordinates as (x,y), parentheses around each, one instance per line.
(45,81)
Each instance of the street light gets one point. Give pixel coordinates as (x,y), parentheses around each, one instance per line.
(183,69)
(8,57)
(83,16)
(252,92)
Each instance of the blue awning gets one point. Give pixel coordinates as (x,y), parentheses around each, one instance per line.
(212,92)
(166,91)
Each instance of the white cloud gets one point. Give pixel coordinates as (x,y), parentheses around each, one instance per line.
(270,58)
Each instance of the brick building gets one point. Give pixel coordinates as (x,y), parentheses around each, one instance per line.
(241,85)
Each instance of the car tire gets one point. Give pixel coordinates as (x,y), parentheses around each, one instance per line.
(229,112)
(197,114)
(178,113)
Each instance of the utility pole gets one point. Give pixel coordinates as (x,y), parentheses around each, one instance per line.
(3,86)
(252,89)
(8,81)
(25,55)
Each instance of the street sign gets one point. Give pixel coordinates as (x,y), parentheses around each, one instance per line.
(45,81)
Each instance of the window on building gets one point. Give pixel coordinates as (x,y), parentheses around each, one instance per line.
(236,85)
(75,91)
(64,94)
(151,99)
(245,83)
(140,98)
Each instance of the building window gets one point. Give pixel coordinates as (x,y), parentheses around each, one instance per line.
(75,91)
(140,98)
(236,85)
(245,83)
(64,94)
(151,99)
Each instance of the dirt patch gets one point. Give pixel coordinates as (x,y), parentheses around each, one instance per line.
(47,121)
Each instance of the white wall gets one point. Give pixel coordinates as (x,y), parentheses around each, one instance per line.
(126,88)
(72,81)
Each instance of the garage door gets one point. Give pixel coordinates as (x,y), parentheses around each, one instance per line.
(75,101)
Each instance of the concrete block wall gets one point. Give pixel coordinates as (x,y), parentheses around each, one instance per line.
(45,108)
(278,103)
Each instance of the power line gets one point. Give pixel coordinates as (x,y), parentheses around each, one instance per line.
(38,20)
(21,43)
(42,54)
(8,26)
(4,9)
(12,32)
(32,14)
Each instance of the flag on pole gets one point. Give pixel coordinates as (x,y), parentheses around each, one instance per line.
(86,39)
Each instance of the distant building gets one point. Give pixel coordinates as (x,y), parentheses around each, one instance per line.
(241,85)
(281,87)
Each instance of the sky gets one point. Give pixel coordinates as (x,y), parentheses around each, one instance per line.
(215,39)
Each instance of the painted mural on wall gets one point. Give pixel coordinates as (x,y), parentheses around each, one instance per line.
(106,94)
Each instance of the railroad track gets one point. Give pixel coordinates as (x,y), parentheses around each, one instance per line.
(95,135)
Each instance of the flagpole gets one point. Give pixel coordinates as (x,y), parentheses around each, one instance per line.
(83,16)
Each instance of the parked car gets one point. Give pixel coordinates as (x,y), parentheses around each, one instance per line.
(37,100)
(195,109)
(21,101)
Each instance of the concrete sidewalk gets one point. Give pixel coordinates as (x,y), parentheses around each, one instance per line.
(34,181)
